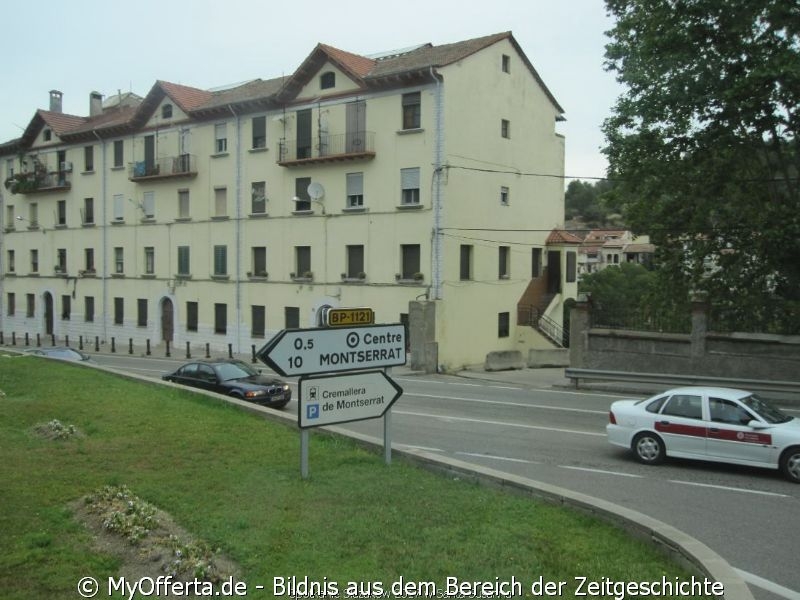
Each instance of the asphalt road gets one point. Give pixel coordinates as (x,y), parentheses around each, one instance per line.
(748,516)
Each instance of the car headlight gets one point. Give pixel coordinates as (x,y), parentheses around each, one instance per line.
(254,393)
(285,387)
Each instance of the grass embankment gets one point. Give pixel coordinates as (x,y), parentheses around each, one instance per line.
(232,479)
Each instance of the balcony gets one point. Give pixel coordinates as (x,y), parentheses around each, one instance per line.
(34,182)
(328,148)
(167,167)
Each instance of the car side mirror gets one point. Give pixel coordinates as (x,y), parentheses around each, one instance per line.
(757,424)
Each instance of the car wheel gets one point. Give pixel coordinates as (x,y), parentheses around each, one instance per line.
(648,448)
(790,464)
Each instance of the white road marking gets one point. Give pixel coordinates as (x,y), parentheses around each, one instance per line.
(500,423)
(501,403)
(728,488)
(767,585)
(503,458)
(423,448)
(601,471)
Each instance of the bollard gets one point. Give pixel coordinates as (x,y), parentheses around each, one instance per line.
(148,346)
(26,339)
(208,351)
(2,341)
(97,343)
(167,343)
(13,338)
(38,340)
(66,341)
(230,350)
(113,345)
(253,350)
(188,353)
(80,342)
(52,339)
(130,345)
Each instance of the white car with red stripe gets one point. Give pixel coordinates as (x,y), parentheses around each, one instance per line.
(706,423)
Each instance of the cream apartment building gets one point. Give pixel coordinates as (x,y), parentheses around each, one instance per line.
(424,183)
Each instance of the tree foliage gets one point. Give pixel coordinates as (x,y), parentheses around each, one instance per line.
(703,146)
(588,202)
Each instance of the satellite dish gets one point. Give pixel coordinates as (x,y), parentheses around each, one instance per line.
(315,190)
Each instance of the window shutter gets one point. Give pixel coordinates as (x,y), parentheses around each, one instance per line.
(355,184)
(409,178)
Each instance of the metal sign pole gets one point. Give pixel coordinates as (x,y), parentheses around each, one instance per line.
(387,430)
(304,453)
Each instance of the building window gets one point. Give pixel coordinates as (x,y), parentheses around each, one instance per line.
(327,80)
(183,204)
(220,261)
(183,261)
(572,268)
(166,111)
(303,200)
(61,260)
(10,216)
(503,324)
(465,270)
(291,316)
(412,109)
(119,311)
(259,132)
(88,211)
(66,307)
(88,309)
(505,197)
(258,321)
(11,265)
(119,153)
(410,261)
(259,261)
(149,205)
(506,63)
(119,208)
(503,267)
(30,309)
(33,215)
(220,138)
(505,128)
(220,318)
(409,182)
(119,260)
(355,190)
(302,261)
(61,212)
(149,260)
(88,158)
(88,259)
(355,262)
(47,135)
(11,304)
(258,195)
(141,312)
(34,261)
(536,262)
(191,316)
(220,202)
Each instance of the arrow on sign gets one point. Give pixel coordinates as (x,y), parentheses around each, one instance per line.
(325,350)
(343,398)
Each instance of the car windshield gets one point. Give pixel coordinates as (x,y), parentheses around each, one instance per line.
(227,371)
(765,410)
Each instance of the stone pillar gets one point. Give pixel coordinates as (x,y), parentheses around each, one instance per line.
(579,323)
(699,324)
(422,336)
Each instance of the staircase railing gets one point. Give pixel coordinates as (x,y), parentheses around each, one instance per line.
(554,331)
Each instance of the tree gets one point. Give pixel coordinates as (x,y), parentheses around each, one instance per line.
(587,201)
(703,146)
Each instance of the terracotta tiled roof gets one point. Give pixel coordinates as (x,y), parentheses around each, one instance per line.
(359,65)
(187,98)
(118,117)
(60,123)
(559,236)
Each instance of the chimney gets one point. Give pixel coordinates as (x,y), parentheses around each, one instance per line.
(55,101)
(95,104)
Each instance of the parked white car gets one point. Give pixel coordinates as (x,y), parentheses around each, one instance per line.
(705,423)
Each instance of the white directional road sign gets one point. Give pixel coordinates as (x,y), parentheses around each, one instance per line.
(326,400)
(323,350)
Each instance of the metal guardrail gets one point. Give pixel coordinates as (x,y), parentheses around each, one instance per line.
(753,385)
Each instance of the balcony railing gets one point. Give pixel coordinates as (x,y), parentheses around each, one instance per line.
(35,181)
(327,148)
(183,165)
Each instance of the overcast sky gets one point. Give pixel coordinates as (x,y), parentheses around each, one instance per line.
(82,46)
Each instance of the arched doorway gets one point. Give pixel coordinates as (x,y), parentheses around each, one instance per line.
(48,313)
(167,320)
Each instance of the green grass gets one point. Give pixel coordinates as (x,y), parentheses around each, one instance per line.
(232,478)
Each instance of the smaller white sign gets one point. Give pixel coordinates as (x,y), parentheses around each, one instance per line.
(344,398)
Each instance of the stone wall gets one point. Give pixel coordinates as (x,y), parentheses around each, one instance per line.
(701,352)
